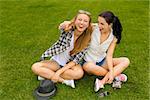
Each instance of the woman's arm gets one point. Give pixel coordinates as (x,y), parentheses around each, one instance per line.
(109,59)
(66,24)
(56,77)
(110,52)
(67,66)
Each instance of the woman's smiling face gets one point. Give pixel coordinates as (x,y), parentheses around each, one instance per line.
(82,22)
(103,25)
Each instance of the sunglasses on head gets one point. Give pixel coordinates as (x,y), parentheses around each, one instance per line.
(84,12)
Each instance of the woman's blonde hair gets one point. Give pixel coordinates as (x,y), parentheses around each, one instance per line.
(84,39)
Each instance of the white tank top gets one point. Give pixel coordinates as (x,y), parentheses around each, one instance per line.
(97,51)
(64,57)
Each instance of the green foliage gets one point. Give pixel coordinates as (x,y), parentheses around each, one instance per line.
(29,27)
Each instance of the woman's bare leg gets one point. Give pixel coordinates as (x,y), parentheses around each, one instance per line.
(120,64)
(91,68)
(76,72)
(46,68)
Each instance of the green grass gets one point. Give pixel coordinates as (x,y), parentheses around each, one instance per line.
(29,27)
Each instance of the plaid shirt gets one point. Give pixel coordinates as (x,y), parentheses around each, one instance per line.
(61,45)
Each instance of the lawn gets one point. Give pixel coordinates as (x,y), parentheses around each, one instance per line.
(29,27)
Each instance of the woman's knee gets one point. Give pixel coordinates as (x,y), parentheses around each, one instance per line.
(35,67)
(87,66)
(78,73)
(125,61)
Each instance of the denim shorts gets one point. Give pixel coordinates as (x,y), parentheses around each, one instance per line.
(100,63)
(97,63)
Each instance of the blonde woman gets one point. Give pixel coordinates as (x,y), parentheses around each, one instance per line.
(66,53)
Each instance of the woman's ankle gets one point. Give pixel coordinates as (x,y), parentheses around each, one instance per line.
(102,81)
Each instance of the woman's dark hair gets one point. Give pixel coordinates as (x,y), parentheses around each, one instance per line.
(116,25)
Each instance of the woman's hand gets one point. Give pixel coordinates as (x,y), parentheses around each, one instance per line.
(55,77)
(64,25)
(110,77)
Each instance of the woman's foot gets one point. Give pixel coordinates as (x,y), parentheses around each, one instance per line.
(118,81)
(98,85)
(121,77)
(69,83)
(40,78)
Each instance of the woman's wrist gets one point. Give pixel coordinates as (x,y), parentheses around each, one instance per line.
(111,71)
(58,73)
